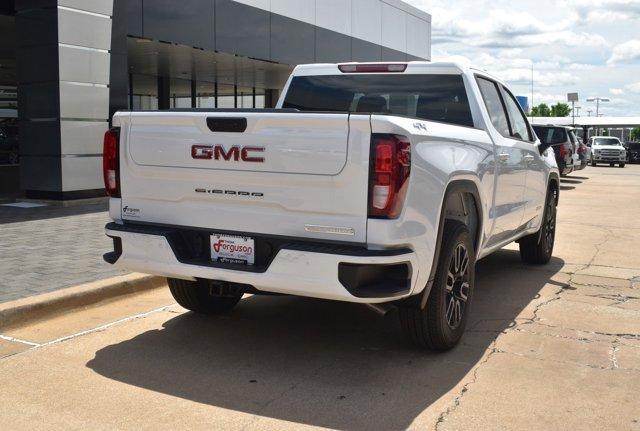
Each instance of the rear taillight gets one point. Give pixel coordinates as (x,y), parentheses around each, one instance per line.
(373,68)
(110,163)
(389,175)
(563,152)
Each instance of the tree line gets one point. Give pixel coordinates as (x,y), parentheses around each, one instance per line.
(558,110)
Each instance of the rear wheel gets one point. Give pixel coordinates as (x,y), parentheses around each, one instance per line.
(611,165)
(622,165)
(440,324)
(593,162)
(537,248)
(203,296)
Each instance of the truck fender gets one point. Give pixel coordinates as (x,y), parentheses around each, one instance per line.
(455,187)
(552,182)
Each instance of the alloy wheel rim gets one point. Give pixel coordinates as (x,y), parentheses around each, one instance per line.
(457,286)
(550,227)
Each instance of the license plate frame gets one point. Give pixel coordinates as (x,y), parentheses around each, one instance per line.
(232,249)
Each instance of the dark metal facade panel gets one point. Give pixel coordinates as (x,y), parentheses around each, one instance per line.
(185,22)
(118,84)
(242,30)
(38,100)
(22,5)
(41,173)
(38,94)
(39,138)
(389,54)
(292,41)
(332,47)
(37,27)
(365,51)
(37,63)
(131,15)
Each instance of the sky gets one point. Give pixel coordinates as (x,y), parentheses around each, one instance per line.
(591,47)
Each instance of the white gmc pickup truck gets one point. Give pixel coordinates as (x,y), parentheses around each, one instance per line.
(374,183)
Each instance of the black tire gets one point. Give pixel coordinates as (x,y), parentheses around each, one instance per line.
(611,165)
(622,165)
(199,297)
(438,326)
(593,162)
(537,248)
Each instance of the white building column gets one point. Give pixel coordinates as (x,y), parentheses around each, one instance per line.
(84,42)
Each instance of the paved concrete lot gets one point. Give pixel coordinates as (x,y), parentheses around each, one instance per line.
(50,248)
(554,347)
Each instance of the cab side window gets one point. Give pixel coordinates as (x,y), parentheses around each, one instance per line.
(519,125)
(495,107)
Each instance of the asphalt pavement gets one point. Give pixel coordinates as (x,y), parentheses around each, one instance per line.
(551,347)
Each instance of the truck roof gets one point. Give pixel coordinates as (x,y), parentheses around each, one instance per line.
(443,67)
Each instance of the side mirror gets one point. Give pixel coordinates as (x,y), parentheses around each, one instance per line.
(542,147)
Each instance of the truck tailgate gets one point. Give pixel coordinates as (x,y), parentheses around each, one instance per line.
(286,173)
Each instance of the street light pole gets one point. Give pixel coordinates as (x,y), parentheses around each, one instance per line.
(598,100)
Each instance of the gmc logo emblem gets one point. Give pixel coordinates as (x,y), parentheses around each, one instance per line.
(235,153)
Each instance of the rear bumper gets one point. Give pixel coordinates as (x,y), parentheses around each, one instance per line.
(319,270)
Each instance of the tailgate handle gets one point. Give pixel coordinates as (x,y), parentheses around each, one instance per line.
(232,124)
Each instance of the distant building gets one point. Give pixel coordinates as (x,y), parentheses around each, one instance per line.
(68,65)
(524,103)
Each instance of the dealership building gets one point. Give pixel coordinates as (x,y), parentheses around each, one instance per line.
(67,65)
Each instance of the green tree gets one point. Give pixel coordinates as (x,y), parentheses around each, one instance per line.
(635,134)
(542,110)
(560,110)
(604,132)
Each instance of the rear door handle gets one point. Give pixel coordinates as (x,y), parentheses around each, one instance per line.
(503,158)
(528,158)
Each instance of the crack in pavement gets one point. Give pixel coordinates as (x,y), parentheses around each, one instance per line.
(612,354)
(518,325)
(627,336)
(465,388)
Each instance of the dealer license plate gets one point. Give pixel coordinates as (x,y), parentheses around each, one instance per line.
(232,249)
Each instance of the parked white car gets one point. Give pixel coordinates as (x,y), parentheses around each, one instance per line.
(607,149)
(371,183)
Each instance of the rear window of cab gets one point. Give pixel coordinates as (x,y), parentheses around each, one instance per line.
(441,98)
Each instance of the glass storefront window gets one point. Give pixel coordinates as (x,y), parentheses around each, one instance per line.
(260,100)
(245,97)
(205,94)
(226,96)
(180,93)
(145,92)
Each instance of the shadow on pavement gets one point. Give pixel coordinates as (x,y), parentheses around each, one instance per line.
(319,363)
(567,187)
(579,178)
(16,215)
(570,181)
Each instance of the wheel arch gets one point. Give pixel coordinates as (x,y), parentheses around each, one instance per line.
(461,201)
(554,184)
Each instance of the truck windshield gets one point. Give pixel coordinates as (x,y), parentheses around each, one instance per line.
(440,98)
(606,141)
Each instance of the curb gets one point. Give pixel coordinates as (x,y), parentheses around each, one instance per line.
(40,307)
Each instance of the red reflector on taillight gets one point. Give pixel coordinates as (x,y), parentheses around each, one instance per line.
(388,178)
(373,68)
(563,152)
(110,163)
